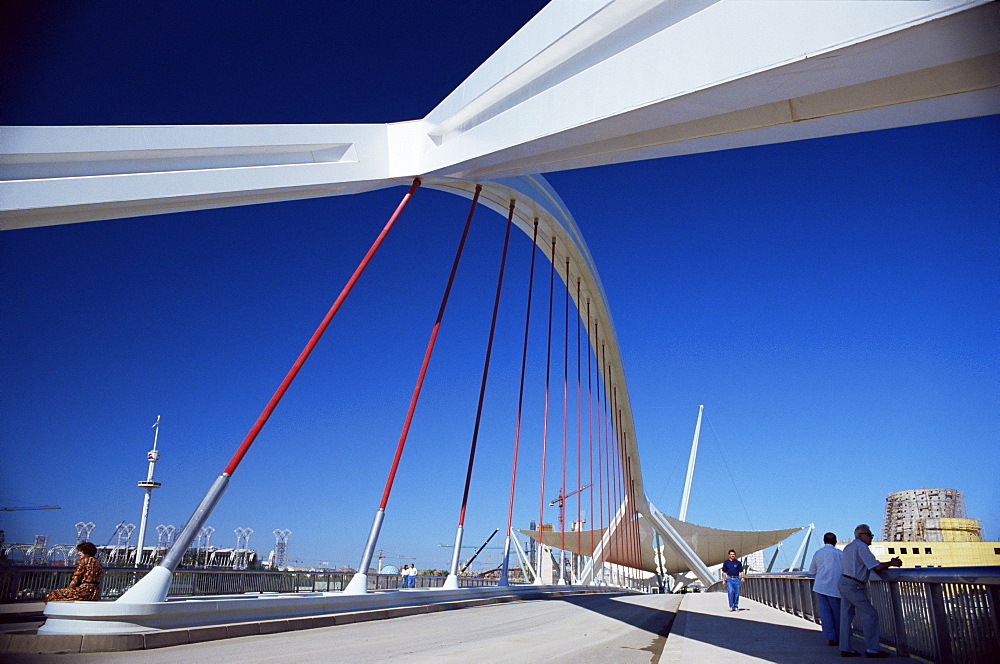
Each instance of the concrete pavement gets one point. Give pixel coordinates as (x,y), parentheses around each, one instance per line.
(706,632)
(623,629)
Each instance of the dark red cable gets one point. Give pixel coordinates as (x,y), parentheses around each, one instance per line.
(486,364)
(562,512)
(427,358)
(579,428)
(272,404)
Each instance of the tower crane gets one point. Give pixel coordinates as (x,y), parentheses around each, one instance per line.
(561,501)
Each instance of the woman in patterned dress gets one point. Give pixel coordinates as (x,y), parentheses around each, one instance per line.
(86,581)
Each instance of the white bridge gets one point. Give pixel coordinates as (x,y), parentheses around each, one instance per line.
(586,82)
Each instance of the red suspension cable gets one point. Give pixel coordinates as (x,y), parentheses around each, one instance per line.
(520,393)
(427,357)
(545,416)
(280,392)
(590,445)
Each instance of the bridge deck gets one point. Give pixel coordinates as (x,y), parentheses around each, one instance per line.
(623,628)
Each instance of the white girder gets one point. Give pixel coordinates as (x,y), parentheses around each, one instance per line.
(585,82)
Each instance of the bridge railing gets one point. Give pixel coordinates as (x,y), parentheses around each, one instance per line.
(32,584)
(940,614)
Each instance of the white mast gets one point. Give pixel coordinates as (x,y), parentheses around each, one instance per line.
(690,474)
(148,485)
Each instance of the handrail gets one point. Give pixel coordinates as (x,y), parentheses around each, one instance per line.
(24,583)
(940,614)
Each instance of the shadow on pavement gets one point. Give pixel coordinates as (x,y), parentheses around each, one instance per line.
(748,632)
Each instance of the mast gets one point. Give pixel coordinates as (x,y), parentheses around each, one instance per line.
(148,485)
(690,474)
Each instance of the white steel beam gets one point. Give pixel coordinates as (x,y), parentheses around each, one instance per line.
(586,82)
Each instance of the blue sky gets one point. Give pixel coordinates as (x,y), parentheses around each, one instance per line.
(833,302)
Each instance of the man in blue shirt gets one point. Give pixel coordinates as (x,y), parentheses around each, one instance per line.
(855,566)
(732,573)
(826,567)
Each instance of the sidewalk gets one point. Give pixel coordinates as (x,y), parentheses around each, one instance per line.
(706,632)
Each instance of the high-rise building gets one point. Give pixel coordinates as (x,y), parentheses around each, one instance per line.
(928,515)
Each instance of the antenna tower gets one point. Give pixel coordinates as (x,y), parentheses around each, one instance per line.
(148,485)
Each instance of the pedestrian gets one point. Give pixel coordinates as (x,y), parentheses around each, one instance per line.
(403,576)
(411,577)
(855,566)
(732,574)
(85,585)
(826,568)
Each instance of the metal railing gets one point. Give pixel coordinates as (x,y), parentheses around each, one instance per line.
(940,614)
(32,584)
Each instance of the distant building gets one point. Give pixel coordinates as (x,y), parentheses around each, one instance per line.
(755,562)
(915,515)
(930,528)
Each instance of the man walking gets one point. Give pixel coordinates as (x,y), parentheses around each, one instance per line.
(826,567)
(732,573)
(855,566)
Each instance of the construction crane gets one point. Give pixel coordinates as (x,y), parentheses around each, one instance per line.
(478,551)
(561,501)
(21,509)
(381,555)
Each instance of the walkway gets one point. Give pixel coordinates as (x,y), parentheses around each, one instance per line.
(624,629)
(706,632)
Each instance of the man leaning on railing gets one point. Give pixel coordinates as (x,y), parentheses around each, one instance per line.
(855,566)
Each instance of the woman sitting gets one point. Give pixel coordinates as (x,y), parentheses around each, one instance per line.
(86,582)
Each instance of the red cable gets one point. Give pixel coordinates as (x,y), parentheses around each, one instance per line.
(600,446)
(590,442)
(545,417)
(520,394)
(427,358)
(272,404)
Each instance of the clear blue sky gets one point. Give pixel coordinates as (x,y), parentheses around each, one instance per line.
(833,303)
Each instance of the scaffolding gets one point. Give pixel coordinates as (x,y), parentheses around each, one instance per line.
(915,515)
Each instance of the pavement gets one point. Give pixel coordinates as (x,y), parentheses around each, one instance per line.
(706,632)
(588,629)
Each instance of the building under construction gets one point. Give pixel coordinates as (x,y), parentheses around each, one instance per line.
(928,515)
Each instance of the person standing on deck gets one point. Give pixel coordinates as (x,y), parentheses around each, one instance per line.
(826,568)
(732,574)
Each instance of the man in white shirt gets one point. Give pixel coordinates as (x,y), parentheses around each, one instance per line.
(826,567)
(856,564)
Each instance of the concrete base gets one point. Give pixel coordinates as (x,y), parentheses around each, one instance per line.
(120,617)
(358,585)
(151,588)
(450,583)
